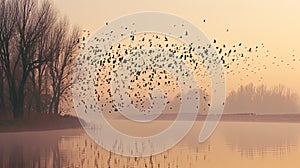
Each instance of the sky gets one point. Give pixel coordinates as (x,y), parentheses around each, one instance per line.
(251,22)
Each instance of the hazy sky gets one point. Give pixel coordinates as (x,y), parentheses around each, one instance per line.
(252,22)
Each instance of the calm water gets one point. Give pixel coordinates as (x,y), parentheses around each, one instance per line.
(233,144)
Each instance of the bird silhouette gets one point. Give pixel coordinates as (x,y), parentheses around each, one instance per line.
(237,60)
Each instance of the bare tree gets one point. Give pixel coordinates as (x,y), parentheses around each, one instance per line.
(33,44)
(47,45)
(61,65)
(1,90)
(8,19)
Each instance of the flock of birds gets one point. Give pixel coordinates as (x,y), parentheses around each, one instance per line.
(237,60)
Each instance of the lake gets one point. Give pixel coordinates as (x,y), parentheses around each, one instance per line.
(233,144)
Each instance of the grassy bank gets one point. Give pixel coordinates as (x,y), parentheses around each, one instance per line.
(40,123)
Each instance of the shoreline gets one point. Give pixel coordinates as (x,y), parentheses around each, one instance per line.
(41,123)
(275,118)
(247,117)
(56,122)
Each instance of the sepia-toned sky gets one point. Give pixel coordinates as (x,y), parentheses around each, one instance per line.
(251,22)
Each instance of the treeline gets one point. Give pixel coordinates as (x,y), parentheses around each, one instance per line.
(37,50)
(262,100)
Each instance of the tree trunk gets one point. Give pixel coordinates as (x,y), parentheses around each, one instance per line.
(56,105)
(18,111)
(1,90)
(18,103)
(51,105)
(38,104)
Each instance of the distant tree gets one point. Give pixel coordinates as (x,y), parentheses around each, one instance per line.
(260,99)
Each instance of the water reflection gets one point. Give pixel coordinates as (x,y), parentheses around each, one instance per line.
(261,139)
(232,145)
(32,149)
